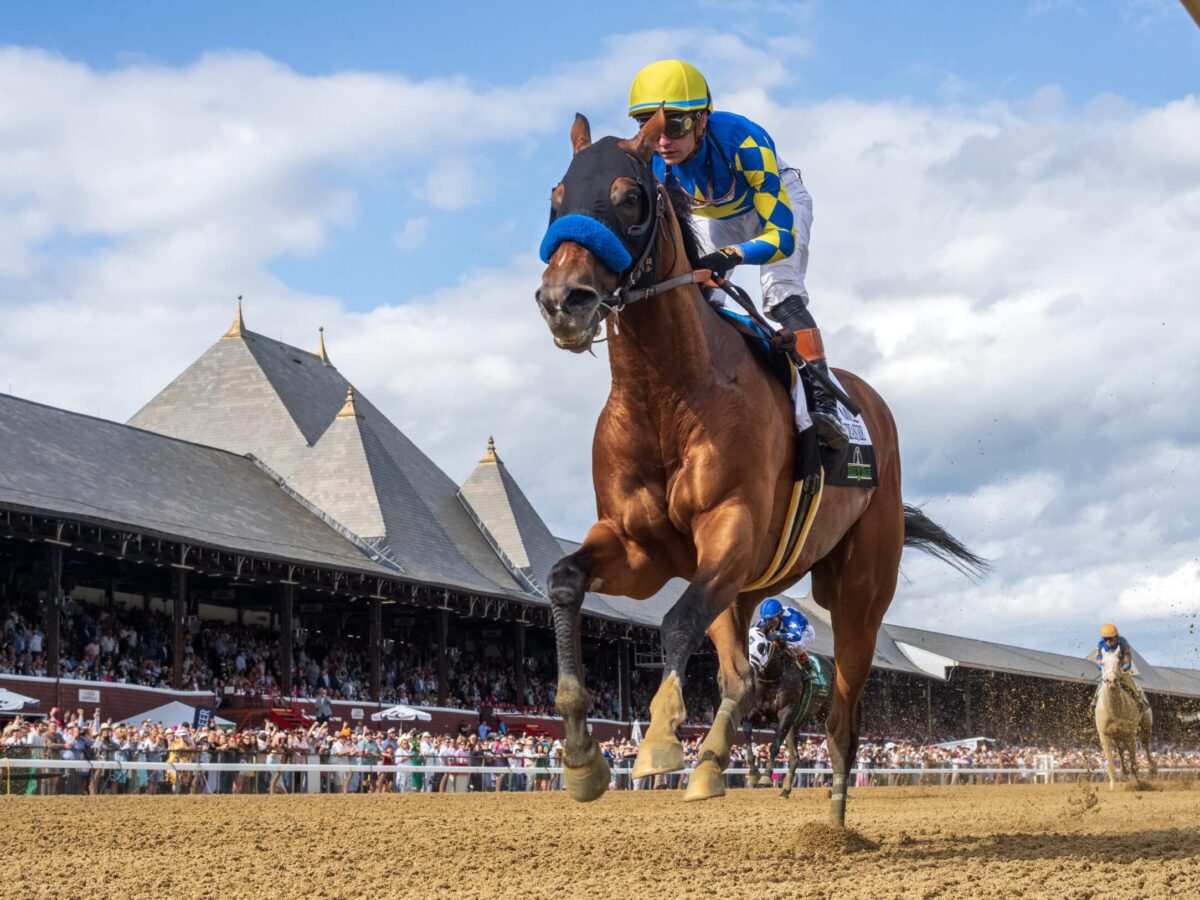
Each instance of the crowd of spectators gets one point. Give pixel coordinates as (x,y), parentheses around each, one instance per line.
(133,646)
(520,762)
(122,644)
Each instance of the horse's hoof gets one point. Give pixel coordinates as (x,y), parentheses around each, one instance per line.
(705,783)
(658,758)
(785,793)
(587,783)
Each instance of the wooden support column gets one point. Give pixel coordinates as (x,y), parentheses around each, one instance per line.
(376,640)
(519,664)
(52,611)
(928,710)
(179,605)
(625,650)
(287,600)
(443,656)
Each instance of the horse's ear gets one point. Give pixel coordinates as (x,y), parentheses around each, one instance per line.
(644,143)
(581,133)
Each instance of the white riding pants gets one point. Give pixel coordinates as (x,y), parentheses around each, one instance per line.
(779,279)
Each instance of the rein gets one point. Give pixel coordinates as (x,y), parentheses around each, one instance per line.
(782,340)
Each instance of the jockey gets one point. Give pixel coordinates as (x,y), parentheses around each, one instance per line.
(789,625)
(748,206)
(1112,642)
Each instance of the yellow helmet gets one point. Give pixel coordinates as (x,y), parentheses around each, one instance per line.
(1108,630)
(671,83)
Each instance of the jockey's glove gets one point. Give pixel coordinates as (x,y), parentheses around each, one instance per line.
(721,262)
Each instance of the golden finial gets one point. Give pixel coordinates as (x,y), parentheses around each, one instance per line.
(490,456)
(349,410)
(237,329)
(321,354)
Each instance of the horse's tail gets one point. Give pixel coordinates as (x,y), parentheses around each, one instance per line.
(922,532)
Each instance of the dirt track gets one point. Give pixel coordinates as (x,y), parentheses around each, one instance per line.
(1061,841)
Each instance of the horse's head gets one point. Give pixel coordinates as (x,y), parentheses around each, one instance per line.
(1110,667)
(760,649)
(603,217)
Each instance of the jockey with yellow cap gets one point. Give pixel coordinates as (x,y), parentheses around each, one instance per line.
(748,205)
(1112,642)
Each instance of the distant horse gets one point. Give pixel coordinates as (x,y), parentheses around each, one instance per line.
(783,698)
(692,465)
(1121,720)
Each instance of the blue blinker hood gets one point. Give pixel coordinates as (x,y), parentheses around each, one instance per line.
(587,215)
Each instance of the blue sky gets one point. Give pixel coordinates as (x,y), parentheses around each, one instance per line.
(927,52)
(1007,207)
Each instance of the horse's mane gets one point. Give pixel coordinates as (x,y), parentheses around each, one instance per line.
(682,208)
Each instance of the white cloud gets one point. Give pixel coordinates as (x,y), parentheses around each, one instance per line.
(413,235)
(1016,279)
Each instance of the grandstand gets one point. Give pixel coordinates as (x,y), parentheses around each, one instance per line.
(261,487)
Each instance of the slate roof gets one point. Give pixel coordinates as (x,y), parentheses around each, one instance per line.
(249,393)
(62,462)
(977,654)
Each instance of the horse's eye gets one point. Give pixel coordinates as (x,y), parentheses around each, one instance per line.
(631,198)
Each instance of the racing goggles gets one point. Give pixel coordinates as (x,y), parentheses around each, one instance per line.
(676,126)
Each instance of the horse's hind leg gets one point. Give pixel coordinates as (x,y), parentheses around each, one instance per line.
(729,635)
(1144,734)
(585,772)
(792,762)
(856,583)
(1131,749)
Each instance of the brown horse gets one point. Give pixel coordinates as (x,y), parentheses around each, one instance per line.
(692,464)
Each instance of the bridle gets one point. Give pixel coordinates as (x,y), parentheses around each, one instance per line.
(775,648)
(628,292)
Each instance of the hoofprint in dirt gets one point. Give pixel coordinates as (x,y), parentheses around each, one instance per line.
(1032,841)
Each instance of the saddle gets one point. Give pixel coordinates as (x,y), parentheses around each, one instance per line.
(853,466)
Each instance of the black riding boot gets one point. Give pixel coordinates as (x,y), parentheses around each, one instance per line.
(792,313)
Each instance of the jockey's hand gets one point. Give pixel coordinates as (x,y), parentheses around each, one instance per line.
(721,262)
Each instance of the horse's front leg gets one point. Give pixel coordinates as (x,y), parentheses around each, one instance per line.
(722,570)
(751,757)
(1106,743)
(729,635)
(792,762)
(585,771)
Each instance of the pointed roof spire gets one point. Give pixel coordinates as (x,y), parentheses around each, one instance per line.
(238,328)
(490,456)
(349,410)
(321,354)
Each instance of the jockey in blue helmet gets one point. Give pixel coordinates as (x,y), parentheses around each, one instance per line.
(787,624)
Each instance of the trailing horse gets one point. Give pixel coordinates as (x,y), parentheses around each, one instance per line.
(783,698)
(1121,720)
(692,465)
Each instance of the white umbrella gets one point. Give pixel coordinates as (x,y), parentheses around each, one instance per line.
(11,701)
(401,713)
(636,734)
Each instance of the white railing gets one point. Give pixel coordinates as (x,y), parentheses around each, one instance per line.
(13,766)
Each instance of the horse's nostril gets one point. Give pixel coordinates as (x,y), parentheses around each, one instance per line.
(578,300)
